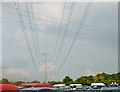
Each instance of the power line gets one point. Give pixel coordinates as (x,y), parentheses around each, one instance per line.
(35,32)
(59,30)
(66,28)
(83,25)
(76,34)
(84,34)
(25,34)
(42,14)
(54,29)
(31,28)
(74,23)
(28,23)
(38,13)
(86,28)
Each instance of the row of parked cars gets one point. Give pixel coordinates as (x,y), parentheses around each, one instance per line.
(95,87)
(27,88)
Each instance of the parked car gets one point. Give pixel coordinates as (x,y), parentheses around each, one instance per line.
(74,86)
(80,89)
(64,89)
(35,85)
(97,85)
(37,89)
(110,90)
(8,88)
(113,85)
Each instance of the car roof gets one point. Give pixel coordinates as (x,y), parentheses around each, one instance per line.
(38,85)
(37,88)
(8,87)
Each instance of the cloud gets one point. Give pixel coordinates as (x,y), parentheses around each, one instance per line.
(47,12)
(89,72)
(23,43)
(14,73)
(50,67)
(19,36)
(48,9)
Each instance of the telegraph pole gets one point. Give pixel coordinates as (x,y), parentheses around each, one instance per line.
(45,66)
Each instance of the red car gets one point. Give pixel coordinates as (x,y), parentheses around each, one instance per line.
(36,85)
(8,88)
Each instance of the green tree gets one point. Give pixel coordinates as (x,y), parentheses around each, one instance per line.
(52,82)
(67,79)
(85,80)
(58,82)
(4,81)
(18,83)
(99,78)
(35,81)
(117,77)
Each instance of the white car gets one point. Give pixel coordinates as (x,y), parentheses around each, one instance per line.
(37,89)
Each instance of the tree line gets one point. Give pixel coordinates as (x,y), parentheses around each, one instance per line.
(85,80)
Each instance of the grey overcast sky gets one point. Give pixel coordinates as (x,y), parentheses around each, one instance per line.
(94,51)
